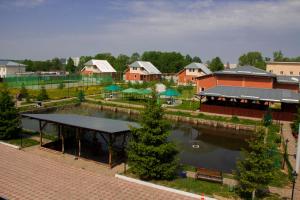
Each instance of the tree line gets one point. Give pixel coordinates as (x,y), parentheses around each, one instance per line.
(166,62)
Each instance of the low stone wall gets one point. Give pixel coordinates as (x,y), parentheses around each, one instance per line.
(49,109)
(191,120)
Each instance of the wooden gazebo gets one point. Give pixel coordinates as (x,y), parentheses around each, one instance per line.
(109,129)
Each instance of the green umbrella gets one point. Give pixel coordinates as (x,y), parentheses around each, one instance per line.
(170,93)
(144,91)
(130,91)
(112,88)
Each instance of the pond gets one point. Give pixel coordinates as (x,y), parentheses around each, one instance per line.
(201,146)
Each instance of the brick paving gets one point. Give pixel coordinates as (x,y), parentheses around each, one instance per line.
(29,176)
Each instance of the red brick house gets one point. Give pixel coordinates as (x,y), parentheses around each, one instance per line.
(142,71)
(190,72)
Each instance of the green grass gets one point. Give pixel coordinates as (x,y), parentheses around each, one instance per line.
(188,105)
(26,142)
(198,186)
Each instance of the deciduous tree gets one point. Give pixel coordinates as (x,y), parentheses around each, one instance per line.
(216,64)
(253,58)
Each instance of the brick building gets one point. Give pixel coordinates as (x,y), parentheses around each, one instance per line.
(190,72)
(142,71)
(248,91)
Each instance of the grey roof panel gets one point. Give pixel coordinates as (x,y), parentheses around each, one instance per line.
(288,79)
(11,63)
(246,70)
(148,66)
(86,122)
(272,95)
(201,66)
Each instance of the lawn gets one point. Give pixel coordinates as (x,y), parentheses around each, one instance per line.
(26,142)
(188,105)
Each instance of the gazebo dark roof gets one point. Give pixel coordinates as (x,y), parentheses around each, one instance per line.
(104,125)
(272,95)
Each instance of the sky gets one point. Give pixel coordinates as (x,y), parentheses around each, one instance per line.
(43,29)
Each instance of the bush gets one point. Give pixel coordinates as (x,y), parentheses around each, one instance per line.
(42,96)
(61,86)
(81,96)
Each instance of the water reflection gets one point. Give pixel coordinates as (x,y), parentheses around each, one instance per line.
(202,146)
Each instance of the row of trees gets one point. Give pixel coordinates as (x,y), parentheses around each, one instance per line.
(166,62)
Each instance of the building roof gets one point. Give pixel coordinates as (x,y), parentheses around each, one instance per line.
(291,63)
(201,66)
(272,95)
(86,122)
(148,66)
(9,63)
(102,65)
(288,79)
(246,70)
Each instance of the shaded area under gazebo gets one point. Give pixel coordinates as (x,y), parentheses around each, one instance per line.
(93,138)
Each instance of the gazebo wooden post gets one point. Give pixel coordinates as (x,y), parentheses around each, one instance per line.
(78,132)
(110,151)
(62,142)
(59,131)
(41,133)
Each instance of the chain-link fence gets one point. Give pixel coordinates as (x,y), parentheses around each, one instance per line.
(50,81)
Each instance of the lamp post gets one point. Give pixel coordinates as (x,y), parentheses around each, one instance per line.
(294,174)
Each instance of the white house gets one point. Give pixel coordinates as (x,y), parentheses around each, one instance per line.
(10,68)
(98,67)
(142,71)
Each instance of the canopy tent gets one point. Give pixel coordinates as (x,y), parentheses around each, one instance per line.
(144,91)
(170,93)
(130,91)
(112,88)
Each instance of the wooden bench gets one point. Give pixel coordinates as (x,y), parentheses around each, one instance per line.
(208,174)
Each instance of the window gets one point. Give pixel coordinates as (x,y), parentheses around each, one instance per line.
(271,71)
(199,70)
(134,68)
(134,76)
(291,73)
(190,70)
(281,72)
(193,70)
(202,89)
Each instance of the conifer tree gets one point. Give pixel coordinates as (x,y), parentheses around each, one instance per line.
(9,117)
(150,154)
(23,92)
(255,170)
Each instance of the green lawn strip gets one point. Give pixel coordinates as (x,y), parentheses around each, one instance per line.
(197,186)
(188,105)
(193,186)
(280,179)
(26,142)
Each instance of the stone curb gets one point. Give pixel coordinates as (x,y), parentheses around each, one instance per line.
(188,194)
(10,145)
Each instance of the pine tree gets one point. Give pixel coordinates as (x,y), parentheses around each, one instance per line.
(150,154)
(9,117)
(42,94)
(255,170)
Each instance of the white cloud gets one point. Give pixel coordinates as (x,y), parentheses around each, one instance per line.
(21,3)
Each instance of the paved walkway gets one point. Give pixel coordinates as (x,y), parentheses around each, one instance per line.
(29,176)
(292,146)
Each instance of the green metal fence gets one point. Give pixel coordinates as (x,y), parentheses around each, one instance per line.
(36,81)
